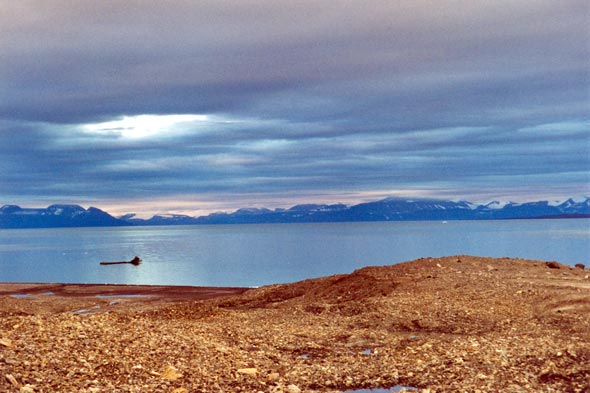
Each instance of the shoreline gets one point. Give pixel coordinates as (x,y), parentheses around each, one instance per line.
(186,292)
(105,298)
(460,323)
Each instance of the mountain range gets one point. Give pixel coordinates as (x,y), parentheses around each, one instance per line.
(56,216)
(389,209)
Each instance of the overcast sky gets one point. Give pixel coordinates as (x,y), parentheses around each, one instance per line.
(197,106)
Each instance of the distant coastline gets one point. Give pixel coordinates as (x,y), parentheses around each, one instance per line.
(389,209)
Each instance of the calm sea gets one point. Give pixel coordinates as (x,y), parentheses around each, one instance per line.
(252,255)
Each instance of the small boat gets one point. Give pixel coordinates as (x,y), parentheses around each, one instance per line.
(135,261)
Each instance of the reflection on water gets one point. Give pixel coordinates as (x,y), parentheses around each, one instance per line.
(253,255)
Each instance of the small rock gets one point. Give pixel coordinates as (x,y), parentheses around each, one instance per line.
(272,377)
(12,380)
(180,390)
(248,371)
(552,265)
(222,349)
(26,389)
(170,373)
(580,266)
(5,342)
(293,389)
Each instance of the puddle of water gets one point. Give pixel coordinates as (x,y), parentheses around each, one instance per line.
(396,388)
(85,310)
(21,295)
(30,295)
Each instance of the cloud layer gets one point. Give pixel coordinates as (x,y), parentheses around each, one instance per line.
(292,100)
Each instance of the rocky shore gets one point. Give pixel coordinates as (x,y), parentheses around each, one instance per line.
(458,323)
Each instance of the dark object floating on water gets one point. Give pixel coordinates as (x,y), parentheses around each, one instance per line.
(135,261)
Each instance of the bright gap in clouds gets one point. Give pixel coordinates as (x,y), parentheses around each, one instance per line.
(143,126)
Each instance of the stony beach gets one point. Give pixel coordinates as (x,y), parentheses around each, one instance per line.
(450,324)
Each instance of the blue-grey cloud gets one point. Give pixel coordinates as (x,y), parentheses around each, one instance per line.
(306,98)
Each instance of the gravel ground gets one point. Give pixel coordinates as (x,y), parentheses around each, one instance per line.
(458,323)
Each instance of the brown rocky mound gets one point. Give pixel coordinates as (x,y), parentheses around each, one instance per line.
(448,324)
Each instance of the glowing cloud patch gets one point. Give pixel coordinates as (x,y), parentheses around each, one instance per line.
(143,126)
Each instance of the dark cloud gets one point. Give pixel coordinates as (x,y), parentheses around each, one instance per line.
(304,97)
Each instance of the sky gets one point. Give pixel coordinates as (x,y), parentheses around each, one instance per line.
(199,106)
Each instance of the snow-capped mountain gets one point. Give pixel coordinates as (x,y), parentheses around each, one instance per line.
(536,209)
(405,209)
(495,205)
(581,206)
(12,216)
(297,213)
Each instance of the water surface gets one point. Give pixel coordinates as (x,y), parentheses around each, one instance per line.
(252,255)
